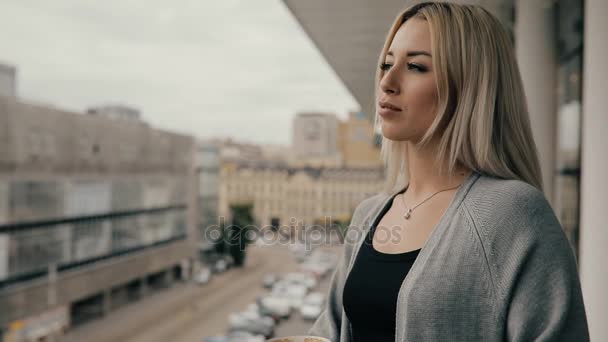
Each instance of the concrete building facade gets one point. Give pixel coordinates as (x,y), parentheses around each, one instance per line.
(315,135)
(208,169)
(93,212)
(116,112)
(8,80)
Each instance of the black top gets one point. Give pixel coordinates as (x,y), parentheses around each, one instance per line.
(372,286)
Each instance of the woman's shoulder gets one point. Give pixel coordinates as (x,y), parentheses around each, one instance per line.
(511,211)
(492,197)
(500,190)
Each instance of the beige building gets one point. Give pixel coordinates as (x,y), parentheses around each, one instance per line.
(356,142)
(294,196)
(353,144)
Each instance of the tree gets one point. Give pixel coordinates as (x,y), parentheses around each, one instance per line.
(219,245)
(242,220)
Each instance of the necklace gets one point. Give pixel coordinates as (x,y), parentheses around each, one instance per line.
(408,212)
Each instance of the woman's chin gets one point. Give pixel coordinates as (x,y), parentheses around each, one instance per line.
(393,133)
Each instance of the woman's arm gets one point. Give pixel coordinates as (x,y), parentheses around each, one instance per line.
(546,302)
(535,272)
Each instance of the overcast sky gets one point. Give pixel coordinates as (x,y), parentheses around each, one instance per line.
(239,68)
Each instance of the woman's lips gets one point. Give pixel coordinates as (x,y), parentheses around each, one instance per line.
(386,112)
(387,109)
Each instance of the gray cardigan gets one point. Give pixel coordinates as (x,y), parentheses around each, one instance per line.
(497,267)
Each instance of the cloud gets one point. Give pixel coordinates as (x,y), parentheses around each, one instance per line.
(230,67)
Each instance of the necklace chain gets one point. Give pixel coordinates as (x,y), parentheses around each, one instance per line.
(408,212)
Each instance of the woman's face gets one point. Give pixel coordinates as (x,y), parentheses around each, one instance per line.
(407,97)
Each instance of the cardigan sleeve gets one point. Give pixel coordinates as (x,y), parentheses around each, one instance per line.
(536,273)
(546,302)
(328,324)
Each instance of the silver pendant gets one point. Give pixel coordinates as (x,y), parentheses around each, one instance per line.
(407,214)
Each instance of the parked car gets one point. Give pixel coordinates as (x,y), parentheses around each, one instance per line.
(316,298)
(294,293)
(310,312)
(300,251)
(275,307)
(236,336)
(220,262)
(203,276)
(243,336)
(269,280)
(251,323)
(301,278)
(312,306)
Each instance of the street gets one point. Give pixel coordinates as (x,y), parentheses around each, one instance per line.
(187,312)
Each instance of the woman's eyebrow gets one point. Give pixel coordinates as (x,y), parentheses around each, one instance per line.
(412,53)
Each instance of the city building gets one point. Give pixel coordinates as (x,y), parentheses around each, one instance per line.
(356,142)
(315,140)
(8,80)
(232,151)
(208,168)
(560,46)
(116,112)
(290,196)
(93,214)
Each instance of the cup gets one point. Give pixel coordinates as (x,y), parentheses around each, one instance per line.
(302,338)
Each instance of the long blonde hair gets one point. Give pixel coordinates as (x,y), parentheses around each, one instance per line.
(482,117)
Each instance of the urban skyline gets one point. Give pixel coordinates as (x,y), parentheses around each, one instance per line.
(195,72)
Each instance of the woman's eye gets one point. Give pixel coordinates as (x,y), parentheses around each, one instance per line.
(410,66)
(416,67)
(385,66)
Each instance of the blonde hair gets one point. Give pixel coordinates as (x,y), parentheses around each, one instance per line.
(482,118)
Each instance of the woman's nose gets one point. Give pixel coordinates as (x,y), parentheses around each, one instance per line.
(388,84)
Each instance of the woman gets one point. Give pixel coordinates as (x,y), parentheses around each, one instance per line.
(462,245)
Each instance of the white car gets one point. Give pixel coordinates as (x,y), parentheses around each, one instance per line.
(301,279)
(269,280)
(294,293)
(221,265)
(275,306)
(312,306)
(310,312)
(251,322)
(315,298)
(242,336)
(203,276)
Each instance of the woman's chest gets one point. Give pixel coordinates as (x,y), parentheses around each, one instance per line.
(396,234)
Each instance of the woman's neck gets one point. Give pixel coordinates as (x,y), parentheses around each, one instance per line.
(424,175)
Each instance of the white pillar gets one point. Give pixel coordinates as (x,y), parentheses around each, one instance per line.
(594,163)
(536,56)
